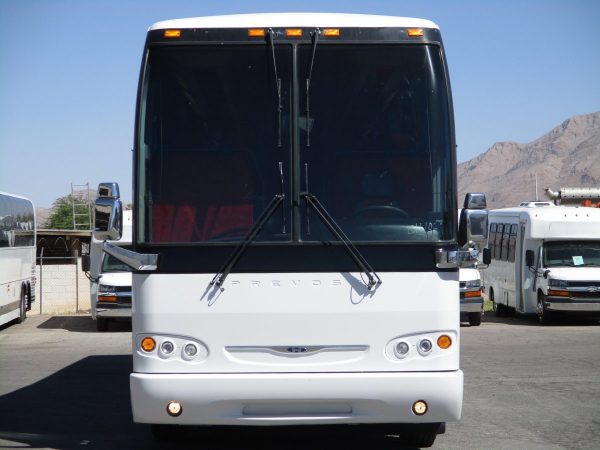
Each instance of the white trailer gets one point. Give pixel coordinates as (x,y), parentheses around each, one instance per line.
(546,260)
(110,280)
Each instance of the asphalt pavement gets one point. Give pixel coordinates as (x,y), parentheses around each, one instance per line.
(65,386)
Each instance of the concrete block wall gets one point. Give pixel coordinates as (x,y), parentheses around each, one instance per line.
(64,289)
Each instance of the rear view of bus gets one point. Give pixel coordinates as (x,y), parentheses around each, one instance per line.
(295,231)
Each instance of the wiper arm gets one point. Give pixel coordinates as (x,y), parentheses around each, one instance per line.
(315,37)
(329,221)
(271,35)
(220,277)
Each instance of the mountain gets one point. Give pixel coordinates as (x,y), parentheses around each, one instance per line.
(567,156)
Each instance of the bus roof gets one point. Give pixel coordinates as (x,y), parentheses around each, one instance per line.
(294,20)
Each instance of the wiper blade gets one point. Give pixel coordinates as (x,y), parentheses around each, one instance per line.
(271,35)
(220,277)
(315,36)
(358,258)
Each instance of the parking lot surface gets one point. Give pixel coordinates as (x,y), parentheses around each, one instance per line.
(65,386)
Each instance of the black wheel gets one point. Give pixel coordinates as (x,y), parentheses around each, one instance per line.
(475,319)
(101,324)
(499,310)
(545,317)
(420,436)
(23,305)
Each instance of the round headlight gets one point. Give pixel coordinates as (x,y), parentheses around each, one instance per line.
(425,346)
(401,349)
(190,350)
(167,347)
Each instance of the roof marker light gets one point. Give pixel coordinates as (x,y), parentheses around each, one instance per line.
(293,32)
(172,33)
(415,32)
(331,32)
(256,32)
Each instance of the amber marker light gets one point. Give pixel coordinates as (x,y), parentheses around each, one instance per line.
(558,293)
(473,294)
(331,32)
(415,32)
(293,32)
(444,341)
(256,32)
(172,34)
(148,344)
(107,298)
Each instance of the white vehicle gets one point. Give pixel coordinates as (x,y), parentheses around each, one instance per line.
(546,260)
(17,257)
(471,299)
(295,241)
(110,280)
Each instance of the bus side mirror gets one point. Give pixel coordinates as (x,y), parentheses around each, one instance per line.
(108,213)
(529,258)
(473,221)
(487,256)
(85,263)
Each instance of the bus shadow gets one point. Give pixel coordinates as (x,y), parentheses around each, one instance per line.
(82,324)
(87,405)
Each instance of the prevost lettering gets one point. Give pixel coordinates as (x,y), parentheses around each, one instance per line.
(292,283)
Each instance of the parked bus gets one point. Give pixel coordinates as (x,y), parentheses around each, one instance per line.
(110,280)
(17,257)
(546,261)
(295,243)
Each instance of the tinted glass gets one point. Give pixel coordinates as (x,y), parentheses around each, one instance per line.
(580,253)
(17,222)
(379,158)
(209,162)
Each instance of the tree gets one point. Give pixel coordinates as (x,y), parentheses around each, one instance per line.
(61,215)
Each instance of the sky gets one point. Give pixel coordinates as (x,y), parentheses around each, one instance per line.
(69,71)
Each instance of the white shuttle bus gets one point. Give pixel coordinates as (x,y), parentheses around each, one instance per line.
(17,257)
(546,260)
(110,280)
(295,247)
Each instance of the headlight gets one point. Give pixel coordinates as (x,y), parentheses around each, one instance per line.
(106,288)
(558,283)
(473,284)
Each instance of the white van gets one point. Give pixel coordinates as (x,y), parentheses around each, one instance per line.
(471,300)
(110,286)
(545,260)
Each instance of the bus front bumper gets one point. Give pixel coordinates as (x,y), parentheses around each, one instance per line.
(473,304)
(568,304)
(296,398)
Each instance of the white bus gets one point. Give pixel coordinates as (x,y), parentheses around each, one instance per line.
(546,261)
(110,280)
(17,257)
(295,240)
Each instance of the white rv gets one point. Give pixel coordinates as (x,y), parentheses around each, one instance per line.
(110,286)
(546,260)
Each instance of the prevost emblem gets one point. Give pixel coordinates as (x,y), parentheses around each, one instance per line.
(297,349)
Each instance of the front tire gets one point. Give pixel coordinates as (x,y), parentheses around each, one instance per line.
(545,316)
(475,319)
(420,435)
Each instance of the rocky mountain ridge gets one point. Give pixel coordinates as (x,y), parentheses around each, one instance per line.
(569,155)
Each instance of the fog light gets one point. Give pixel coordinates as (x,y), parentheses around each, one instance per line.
(175,409)
(419,407)
(401,349)
(167,347)
(425,346)
(189,351)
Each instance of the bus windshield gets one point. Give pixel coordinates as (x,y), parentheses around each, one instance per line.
(212,140)
(578,253)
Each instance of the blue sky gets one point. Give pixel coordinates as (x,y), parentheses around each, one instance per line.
(69,71)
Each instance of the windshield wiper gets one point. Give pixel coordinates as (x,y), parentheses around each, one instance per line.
(220,277)
(271,35)
(315,37)
(330,223)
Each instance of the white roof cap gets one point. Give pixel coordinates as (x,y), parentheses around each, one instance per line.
(294,20)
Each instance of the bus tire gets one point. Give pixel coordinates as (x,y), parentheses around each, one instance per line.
(499,309)
(545,317)
(101,324)
(475,319)
(421,435)
(23,305)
